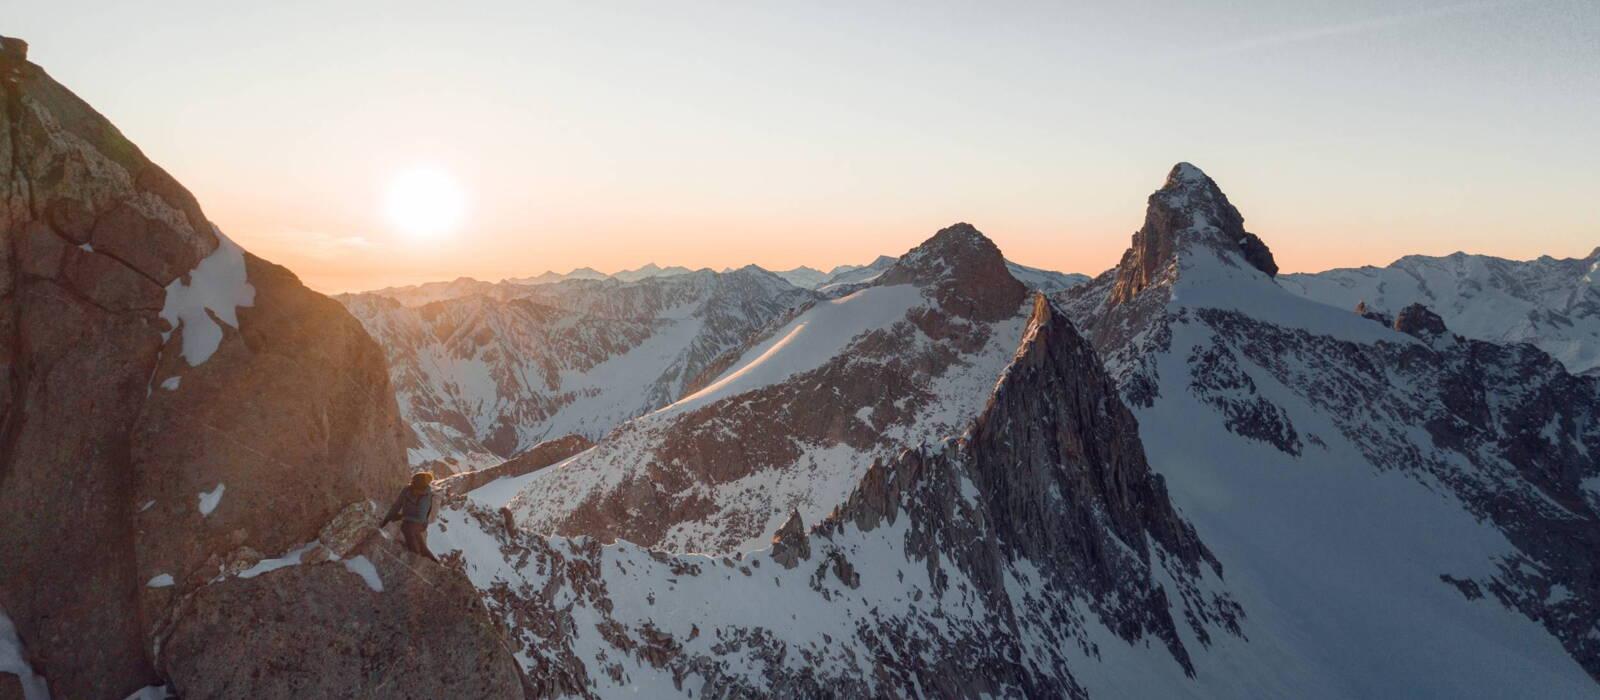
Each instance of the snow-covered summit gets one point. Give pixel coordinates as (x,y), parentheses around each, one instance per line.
(1185,172)
(1191,231)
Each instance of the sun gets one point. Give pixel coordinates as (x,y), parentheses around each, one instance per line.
(425,202)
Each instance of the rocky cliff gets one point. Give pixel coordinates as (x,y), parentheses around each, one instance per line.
(173,411)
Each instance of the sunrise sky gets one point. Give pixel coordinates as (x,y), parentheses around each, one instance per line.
(719,134)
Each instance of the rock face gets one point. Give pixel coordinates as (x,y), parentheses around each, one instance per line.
(172,408)
(381,622)
(790,544)
(791,420)
(1290,427)
(1417,321)
(1036,556)
(498,368)
(1553,303)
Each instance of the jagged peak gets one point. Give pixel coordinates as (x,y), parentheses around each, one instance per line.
(964,272)
(953,250)
(1189,215)
(1186,173)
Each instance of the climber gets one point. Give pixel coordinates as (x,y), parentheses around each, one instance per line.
(415,508)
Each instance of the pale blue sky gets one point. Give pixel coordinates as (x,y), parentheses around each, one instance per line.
(713,134)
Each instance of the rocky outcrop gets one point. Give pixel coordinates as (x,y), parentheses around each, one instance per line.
(379,623)
(1417,321)
(535,458)
(173,411)
(963,271)
(790,544)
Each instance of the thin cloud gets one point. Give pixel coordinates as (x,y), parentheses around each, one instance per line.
(1351,28)
(321,246)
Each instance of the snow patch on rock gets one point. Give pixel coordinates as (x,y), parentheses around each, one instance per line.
(210,499)
(361,566)
(215,289)
(13,660)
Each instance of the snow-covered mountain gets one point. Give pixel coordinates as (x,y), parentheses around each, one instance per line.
(650,270)
(1400,511)
(1549,302)
(1047,281)
(792,419)
(429,292)
(848,278)
(809,278)
(482,377)
(1034,556)
(549,276)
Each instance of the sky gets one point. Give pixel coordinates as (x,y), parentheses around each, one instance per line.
(709,134)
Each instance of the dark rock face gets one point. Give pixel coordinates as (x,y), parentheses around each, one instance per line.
(790,545)
(1416,320)
(321,630)
(172,408)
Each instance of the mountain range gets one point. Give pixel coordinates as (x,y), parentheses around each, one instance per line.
(1551,303)
(940,474)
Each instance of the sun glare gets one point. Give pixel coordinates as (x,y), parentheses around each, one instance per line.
(425,202)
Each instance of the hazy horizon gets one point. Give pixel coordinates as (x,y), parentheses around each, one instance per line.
(720,135)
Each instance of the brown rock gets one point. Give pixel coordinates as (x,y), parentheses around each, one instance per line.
(353,524)
(241,559)
(293,413)
(316,555)
(152,247)
(71,218)
(111,284)
(322,631)
(41,251)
